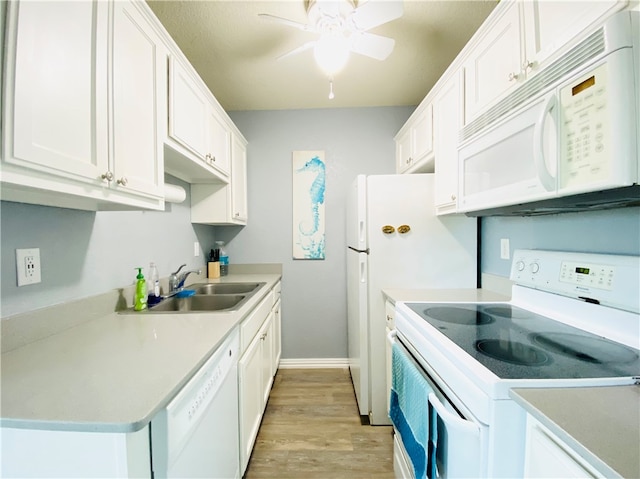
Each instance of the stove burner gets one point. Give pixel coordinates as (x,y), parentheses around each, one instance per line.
(508,312)
(593,350)
(462,316)
(512,352)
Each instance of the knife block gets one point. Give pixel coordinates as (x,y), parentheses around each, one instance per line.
(213,269)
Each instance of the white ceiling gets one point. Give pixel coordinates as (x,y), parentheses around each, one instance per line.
(235,52)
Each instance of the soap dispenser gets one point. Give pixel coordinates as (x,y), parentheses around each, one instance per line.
(140,299)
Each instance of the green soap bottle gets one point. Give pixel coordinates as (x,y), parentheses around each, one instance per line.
(140,299)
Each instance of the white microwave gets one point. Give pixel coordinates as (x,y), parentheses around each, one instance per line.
(573,131)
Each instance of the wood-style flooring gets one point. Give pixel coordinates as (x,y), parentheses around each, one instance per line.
(311,430)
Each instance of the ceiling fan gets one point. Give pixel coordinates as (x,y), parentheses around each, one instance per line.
(342,26)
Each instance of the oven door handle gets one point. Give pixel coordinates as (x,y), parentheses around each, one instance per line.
(468,428)
(391,337)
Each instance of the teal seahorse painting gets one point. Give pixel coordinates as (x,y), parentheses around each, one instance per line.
(308,204)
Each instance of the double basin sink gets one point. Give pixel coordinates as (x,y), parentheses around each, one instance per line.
(208,297)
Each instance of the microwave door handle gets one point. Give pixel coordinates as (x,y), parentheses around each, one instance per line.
(546,178)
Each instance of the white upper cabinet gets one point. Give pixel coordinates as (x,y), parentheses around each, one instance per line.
(495,62)
(447,114)
(224,204)
(83,93)
(414,143)
(548,26)
(199,137)
(139,102)
(239,209)
(520,39)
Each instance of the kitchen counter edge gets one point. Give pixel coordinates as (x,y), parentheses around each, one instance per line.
(26,412)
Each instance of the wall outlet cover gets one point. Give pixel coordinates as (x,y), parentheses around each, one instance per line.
(28,266)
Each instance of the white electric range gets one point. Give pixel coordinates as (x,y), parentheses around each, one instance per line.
(573,321)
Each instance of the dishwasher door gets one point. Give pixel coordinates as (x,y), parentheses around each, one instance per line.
(196,436)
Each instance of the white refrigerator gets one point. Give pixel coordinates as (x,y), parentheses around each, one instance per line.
(434,252)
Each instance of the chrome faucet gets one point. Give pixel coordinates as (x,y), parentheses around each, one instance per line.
(176,280)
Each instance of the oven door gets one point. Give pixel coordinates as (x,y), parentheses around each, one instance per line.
(452,443)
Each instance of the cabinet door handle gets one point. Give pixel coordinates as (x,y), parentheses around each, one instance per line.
(123,181)
(514,76)
(107,176)
(529,65)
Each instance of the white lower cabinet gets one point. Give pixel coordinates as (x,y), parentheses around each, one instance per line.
(547,456)
(260,346)
(66,454)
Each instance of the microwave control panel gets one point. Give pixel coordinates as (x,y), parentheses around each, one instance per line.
(586,134)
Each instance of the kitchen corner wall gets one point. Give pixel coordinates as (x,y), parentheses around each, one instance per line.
(355,140)
(87,253)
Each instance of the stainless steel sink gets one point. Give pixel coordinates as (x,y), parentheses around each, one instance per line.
(200,303)
(225,288)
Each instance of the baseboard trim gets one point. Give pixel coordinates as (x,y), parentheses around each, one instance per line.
(314,363)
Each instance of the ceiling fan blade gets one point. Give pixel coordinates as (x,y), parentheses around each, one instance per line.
(301,48)
(286,21)
(372,45)
(376,12)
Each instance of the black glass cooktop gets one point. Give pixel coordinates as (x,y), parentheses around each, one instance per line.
(515,343)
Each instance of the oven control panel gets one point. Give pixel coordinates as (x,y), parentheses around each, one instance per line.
(612,280)
(598,276)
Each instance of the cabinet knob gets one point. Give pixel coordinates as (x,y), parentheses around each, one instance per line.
(529,65)
(213,158)
(123,181)
(237,215)
(453,197)
(107,176)
(514,76)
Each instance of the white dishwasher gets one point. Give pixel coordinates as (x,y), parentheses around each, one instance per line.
(197,434)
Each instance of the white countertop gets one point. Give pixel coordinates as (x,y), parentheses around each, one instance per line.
(114,372)
(443,295)
(601,424)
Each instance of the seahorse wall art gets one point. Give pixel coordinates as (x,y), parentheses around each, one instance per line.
(308,204)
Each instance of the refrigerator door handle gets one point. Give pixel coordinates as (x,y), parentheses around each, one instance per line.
(358,250)
(363,270)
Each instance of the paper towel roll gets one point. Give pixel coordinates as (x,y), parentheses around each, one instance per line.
(174,193)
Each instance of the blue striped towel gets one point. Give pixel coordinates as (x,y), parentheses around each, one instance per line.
(409,409)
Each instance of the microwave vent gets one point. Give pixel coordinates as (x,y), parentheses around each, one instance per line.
(582,53)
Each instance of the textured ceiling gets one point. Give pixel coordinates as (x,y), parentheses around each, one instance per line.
(235,52)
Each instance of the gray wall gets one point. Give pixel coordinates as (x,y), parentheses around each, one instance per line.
(313,292)
(611,231)
(86,253)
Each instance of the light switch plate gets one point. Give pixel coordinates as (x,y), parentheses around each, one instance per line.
(504,248)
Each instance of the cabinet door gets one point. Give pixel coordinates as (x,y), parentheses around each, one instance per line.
(447,111)
(59,104)
(239,181)
(267,335)
(277,335)
(139,91)
(251,398)
(188,112)
(423,133)
(494,65)
(219,143)
(548,26)
(404,151)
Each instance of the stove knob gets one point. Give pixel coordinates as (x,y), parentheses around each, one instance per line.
(520,265)
(535,267)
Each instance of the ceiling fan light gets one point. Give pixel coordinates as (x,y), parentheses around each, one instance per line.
(331,53)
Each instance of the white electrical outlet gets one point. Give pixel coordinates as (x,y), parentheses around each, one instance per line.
(28,266)
(196,249)
(504,248)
